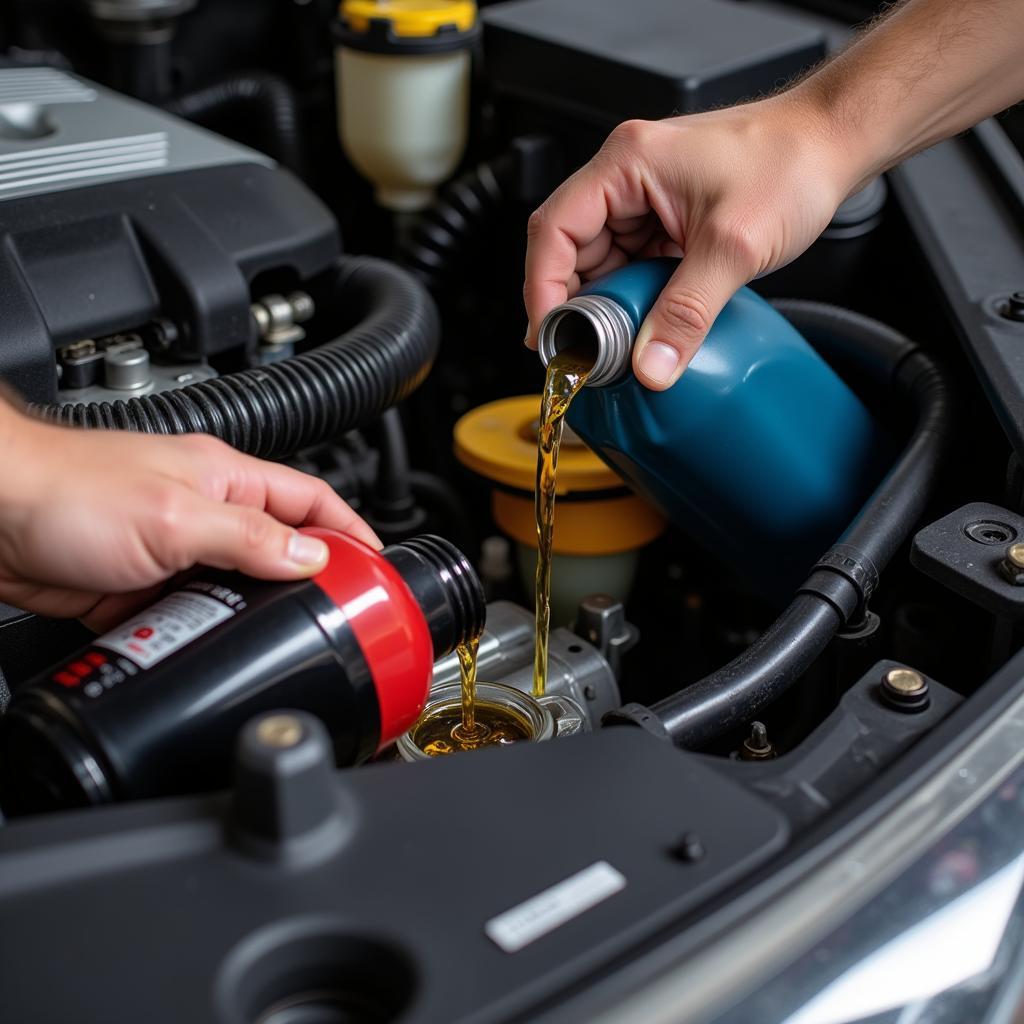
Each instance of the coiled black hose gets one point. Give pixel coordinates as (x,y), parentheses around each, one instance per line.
(275,410)
(438,239)
(840,585)
(270,98)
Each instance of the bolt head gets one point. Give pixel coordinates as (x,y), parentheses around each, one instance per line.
(905,690)
(280,731)
(1011,568)
(904,681)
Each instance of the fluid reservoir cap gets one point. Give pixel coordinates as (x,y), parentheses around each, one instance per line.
(499,441)
(406,26)
(597,515)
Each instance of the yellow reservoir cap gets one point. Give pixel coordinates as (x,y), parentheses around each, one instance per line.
(499,442)
(607,526)
(410,18)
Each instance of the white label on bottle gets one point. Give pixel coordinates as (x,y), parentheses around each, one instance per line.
(544,912)
(166,627)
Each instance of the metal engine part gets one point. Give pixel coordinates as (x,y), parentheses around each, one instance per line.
(576,668)
(109,369)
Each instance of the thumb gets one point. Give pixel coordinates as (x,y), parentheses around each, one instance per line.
(682,316)
(248,539)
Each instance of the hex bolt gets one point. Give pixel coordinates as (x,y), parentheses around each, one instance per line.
(1012,565)
(279,731)
(757,746)
(904,689)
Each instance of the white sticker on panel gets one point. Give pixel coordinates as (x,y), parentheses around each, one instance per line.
(544,912)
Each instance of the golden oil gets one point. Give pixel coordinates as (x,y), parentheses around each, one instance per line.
(467,655)
(566,374)
(440,732)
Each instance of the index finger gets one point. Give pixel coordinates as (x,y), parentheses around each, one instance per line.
(573,216)
(295,498)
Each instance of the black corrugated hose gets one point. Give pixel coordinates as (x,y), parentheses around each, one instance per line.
(270,97)
(838,589)
(274,411)
(438,240)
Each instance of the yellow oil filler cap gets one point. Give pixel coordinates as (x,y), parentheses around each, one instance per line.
(404,25)
(596,513)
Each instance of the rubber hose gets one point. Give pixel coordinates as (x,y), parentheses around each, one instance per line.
(393,487)
(439,237)
(885,521)
(735,693)
(269,96)
(274,411)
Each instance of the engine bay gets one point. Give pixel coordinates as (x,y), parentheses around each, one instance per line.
(214,220)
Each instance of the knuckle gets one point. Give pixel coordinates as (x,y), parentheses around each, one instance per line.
(325,495)
(632,134)
(256,528)
(686,314)
(739,241)
(530,289)
(204,444)
(167,510)
(537,221)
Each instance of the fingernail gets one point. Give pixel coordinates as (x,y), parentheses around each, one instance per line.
(659,361)
(306,550)
(526,338)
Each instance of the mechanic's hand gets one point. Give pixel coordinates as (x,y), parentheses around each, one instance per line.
(740,191)
(93,522)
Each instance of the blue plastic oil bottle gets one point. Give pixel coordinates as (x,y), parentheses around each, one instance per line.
(760,451)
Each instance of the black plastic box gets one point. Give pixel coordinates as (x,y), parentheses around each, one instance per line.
(604,61)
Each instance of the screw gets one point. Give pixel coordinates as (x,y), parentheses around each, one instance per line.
(280,731)
(1014,308)
(1012,565)
(904,689)
(757,746)
(689,848)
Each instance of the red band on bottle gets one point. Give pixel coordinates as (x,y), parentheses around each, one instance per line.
(387,623)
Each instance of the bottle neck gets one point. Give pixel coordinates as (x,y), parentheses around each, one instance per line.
(592,323)
(445,586)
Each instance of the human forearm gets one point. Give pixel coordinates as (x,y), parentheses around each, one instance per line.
(929,69)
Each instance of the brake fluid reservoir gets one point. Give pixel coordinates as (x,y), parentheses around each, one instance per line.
(759,451)
(402,75)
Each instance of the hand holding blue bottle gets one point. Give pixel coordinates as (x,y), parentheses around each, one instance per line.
(742,191)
